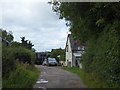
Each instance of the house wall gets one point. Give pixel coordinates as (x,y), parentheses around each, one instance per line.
(69,62)
(73,61)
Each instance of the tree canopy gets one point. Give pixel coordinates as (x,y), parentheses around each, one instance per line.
(98,25)
(87,19)
(59,54)
(26,43)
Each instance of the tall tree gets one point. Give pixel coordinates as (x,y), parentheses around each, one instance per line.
(97,25)
(7,36)
(26,43)
(87,20)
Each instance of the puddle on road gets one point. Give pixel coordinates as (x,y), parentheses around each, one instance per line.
(42,81)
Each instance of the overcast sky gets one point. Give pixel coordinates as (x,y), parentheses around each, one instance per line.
(35,20)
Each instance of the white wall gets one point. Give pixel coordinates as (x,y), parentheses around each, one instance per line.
(69,55)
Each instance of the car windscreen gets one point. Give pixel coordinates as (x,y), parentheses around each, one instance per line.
(51,60)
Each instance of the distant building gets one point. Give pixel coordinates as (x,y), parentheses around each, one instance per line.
(74,50)
(41,56)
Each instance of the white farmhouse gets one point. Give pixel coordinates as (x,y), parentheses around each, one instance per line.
(74,50)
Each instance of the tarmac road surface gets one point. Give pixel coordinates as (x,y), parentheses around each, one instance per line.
(55,77)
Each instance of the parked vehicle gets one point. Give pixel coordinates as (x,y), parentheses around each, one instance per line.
(52,62)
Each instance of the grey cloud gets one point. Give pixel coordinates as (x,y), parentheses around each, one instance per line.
(37,22)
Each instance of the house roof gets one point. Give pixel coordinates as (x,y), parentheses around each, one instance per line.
(74,43)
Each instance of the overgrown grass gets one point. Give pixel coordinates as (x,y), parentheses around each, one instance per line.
(88,79)
(24,76)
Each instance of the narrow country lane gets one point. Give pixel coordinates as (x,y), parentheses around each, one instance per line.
(54,77)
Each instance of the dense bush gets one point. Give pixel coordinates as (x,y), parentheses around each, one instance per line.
(10,55)
(8,61)
(22,77)
(104,58)
(18,69)
(24,55)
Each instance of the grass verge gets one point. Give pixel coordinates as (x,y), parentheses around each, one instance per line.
(88,78)
(24,76)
